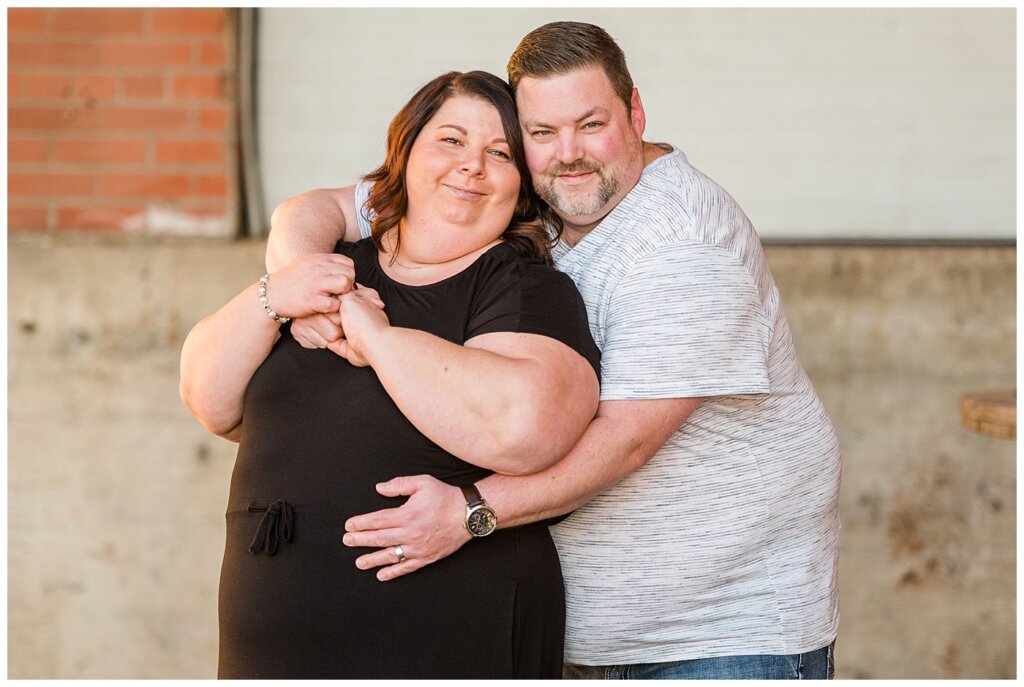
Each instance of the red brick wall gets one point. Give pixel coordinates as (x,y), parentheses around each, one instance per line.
(121,119)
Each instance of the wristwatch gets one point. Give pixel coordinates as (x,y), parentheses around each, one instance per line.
(480,519)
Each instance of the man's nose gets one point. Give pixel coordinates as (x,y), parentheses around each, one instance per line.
(569,149)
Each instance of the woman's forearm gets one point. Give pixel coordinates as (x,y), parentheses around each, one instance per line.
(223,351)
(513,412)
(219,357)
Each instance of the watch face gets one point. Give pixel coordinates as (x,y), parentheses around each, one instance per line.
(481,522)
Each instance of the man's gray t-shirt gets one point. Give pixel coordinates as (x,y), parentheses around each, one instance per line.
(726,542)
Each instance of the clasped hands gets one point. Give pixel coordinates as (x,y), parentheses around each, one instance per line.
(329,310)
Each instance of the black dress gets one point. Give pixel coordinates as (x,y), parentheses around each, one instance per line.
(317,435)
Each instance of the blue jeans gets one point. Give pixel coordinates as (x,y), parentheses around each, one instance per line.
(814,665)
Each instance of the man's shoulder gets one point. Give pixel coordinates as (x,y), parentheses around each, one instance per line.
(672,175)
(674,201)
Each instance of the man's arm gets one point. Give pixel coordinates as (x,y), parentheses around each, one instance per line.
(619,441)
(429,526)
(311,223)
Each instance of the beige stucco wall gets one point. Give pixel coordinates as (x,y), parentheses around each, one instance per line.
(116,495)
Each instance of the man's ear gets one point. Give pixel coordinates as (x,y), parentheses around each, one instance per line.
(636,113)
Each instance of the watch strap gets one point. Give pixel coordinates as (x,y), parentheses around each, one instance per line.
(472,495)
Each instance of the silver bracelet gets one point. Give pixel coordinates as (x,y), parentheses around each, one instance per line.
(262,289)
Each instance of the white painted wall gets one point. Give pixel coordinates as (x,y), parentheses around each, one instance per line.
(823,123)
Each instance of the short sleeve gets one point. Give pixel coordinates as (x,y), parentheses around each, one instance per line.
(535,299)
(685,321)
(364,215)
(345,248)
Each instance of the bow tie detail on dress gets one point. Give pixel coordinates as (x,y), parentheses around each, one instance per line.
(275,525)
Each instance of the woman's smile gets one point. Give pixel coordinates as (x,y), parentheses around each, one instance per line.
(464,193)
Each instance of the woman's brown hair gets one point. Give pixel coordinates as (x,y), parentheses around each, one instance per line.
(534,226)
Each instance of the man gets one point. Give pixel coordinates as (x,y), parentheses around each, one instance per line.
(704,540)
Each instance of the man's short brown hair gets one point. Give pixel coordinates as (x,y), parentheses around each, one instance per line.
(565,46)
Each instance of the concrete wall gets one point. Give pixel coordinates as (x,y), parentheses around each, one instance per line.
(116,495)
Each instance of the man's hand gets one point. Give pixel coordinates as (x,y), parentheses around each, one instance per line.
(429,526)
(308,284)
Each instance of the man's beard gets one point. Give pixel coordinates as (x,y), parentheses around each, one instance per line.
(582,203)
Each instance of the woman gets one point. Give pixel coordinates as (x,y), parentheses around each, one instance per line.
(481,361)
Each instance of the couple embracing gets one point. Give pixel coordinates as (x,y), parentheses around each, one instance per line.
(529,353)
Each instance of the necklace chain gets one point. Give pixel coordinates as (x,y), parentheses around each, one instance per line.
(407,267)
(394,256)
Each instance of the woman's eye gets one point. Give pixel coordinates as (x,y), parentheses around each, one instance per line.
(449,139)
(502,154)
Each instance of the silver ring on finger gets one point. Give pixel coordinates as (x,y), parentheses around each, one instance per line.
(399,552)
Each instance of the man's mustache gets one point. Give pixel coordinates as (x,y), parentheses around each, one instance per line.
(578,167)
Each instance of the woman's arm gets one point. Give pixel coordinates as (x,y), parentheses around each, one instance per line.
(311,222)
(222,352)
(219,357)
(512,403)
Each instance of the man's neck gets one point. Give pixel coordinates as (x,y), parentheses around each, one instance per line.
(574,233)
(652,151)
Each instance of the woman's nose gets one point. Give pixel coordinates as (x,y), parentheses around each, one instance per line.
(472,162)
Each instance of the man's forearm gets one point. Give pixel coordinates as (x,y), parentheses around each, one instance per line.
(597,461)
(310,223)
(619,441)
(429,524)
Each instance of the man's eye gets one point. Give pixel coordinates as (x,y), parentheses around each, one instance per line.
(592,125)
(543,133)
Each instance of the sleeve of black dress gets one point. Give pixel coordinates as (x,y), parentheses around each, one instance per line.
(533,298)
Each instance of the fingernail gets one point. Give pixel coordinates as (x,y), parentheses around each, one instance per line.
(382,577)
(346,540)
(360,565)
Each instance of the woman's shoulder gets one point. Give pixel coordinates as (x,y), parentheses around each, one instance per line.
(528,281)
(503,258)
(353,248)
(362,252)
(534,298)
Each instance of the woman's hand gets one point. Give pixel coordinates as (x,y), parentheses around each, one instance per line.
(318,330)
(309,284)
(362,320)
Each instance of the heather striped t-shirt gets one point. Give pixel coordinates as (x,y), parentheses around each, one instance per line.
(726,542)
